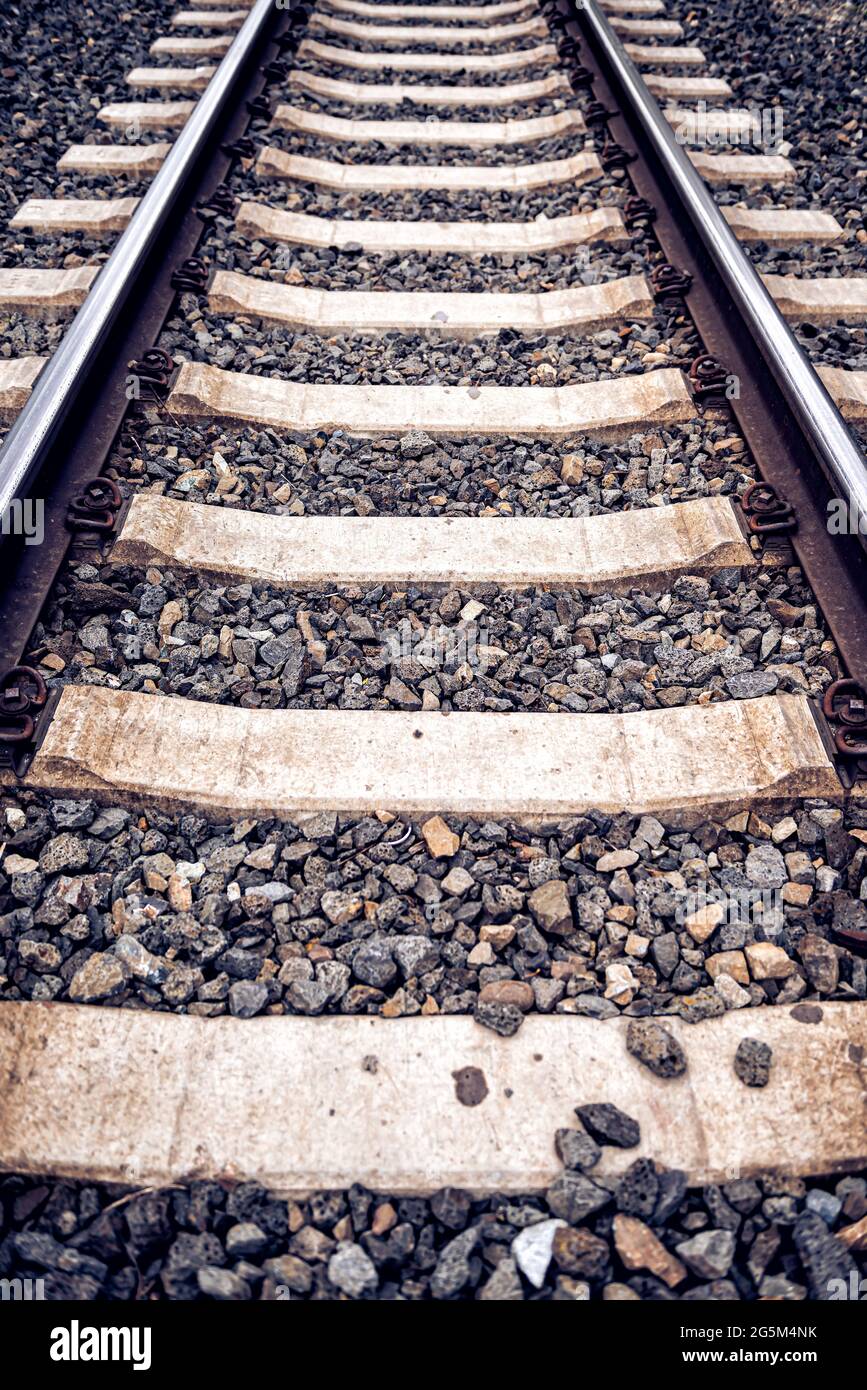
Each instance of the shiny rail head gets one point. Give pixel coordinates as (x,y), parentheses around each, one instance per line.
(818,418)
(63,379)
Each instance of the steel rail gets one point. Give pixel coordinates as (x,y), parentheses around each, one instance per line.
(818,417)
(37,427)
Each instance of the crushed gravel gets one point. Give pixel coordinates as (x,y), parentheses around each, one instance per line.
(408,21)
(551,651)
(62,64)
(432,204)
(643,1236)
(488,157)
(22,335)
(471,49)
(392,647)
(597,915)
(343,269)
(415,111)
(806,62)
(507,358)
(336,474)
(530,72)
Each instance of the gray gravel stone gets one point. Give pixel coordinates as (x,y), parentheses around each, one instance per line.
(247,998)
(374,963)
(504,1285)
(656,1049)
(416,954)
(504,1019)
(352,1271)
(245,1239)
(765,867)
(453,1271)
(64,854)
(291,1273)
(824,1258)
(451,1206)
(308,996)
(708,1254)
(753,1062)
(637,1192)
(549,904)
(609,1125)
(574,1197)
(222,1284)
(341,907)
(576,1149)
(749,685)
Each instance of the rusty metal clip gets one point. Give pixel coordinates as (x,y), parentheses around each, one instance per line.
(614,156)
(240,149)
(852,743)
(23,694)
(669,284)
(95,507)
(220,203)
(709,380)
(638,212)
(581,77)
(845,702)
(767,512)
(191,276)
(596,114)
(844,705)
(260,106)
(154,372)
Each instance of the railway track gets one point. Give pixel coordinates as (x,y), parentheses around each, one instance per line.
(437,699)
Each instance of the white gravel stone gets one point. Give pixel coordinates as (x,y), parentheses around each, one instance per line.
(532,1250)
